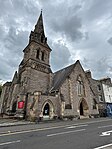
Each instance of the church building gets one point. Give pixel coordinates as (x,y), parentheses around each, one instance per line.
(36,91)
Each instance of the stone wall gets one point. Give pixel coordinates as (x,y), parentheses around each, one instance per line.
(36,103)
(69,91)
(38,81)
(4,96)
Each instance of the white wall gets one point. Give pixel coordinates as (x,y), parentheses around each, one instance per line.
(107,93)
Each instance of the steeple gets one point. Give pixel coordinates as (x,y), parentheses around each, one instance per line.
(38,34)
(37,52)
(39,28)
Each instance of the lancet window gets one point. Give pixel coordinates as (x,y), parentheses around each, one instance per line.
(80,86)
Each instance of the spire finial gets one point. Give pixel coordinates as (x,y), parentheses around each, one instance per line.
(39,30)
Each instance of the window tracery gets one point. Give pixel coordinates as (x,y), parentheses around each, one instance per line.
(80,86)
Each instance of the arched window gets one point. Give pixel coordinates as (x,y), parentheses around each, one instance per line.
(43,56)
(38,53)
(80,86)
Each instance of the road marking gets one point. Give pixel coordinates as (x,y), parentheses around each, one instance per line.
(33,130)
(49,128)
(106,133)
(70,127)
(61,133)
(12,142)
(101,147)
(105,126)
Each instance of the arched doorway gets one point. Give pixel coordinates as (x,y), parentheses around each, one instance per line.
(46,110)
(83,108)
(14,107)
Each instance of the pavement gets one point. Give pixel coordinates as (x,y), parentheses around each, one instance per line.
(10,121)
(14,123)
(7,121)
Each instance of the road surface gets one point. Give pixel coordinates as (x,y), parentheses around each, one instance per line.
(87,134)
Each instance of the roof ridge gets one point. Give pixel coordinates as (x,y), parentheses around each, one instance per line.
(65,68)
(61,75)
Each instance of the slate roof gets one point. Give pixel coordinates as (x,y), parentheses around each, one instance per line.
(60,76)
(7,84)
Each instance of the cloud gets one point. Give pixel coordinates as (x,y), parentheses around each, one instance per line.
(75,29)
(69,27)
(101,67)
(12,52)
(60,55)
(14,37)
(110,40)
(64,20)
(96,9)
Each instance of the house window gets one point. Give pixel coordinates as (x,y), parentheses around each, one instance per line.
(110,98)
(108,88)
(80,86)
(99,87)
(38,53)
(100,98)
(42,56)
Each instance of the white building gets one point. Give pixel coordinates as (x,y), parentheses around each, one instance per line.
(107,92)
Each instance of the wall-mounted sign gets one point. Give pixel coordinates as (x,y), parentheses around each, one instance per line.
(20,104)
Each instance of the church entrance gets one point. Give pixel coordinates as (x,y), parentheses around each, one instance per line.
(83,108)
(46,110)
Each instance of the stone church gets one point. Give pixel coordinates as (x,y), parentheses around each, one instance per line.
(36,91)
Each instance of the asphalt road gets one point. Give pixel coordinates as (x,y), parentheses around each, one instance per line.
(68,135)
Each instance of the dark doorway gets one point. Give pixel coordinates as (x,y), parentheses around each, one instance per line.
(81,109)
(46,110)
(14,107)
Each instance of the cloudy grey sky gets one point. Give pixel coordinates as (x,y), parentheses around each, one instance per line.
(76,29)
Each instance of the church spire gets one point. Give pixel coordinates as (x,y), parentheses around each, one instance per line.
(38,34)
(39,27)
